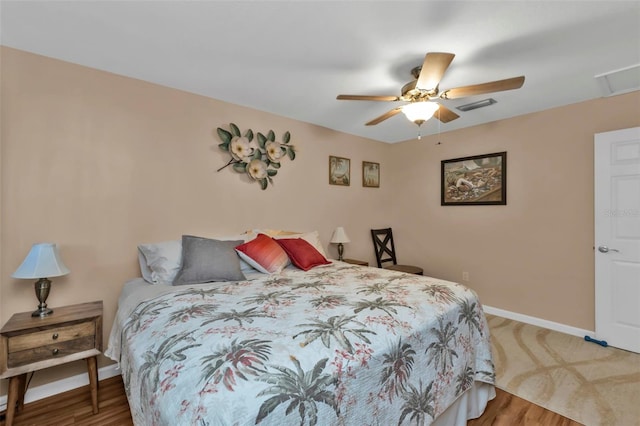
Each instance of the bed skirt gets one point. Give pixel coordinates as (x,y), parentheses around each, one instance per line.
(469,406)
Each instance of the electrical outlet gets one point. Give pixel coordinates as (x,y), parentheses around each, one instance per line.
(465,276)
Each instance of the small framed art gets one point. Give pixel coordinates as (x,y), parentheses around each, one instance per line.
(476,180)
(339,171)
(370,174)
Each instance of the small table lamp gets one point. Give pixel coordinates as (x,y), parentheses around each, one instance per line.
(42,261)
(339,237)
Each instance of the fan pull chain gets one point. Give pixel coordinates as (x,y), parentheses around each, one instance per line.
(419,123)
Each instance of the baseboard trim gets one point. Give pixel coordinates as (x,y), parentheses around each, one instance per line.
(556,326)
(63,385)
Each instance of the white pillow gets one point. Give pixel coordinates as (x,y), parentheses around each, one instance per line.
(144,268)
(162,260)
(269,232)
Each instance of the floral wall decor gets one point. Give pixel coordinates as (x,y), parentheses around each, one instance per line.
(256,155)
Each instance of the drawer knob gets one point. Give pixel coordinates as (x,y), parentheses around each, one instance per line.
(55,336)
(55,351)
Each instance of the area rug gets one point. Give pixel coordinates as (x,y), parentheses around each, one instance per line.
(585,382)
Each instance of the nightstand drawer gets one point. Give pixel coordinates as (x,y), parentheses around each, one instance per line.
(51,336)
(54,350)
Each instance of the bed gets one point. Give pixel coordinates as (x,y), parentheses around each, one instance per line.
(337,344)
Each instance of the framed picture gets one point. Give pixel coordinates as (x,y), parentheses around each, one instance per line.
(477,180)
(339,171)
(370,174)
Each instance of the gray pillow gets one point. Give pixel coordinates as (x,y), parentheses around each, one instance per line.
(205,260)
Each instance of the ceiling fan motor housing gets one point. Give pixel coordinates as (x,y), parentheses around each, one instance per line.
(411,94)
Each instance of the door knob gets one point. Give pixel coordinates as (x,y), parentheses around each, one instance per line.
(605,249)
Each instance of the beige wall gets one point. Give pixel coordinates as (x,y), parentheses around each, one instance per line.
(99,163)
(533,256)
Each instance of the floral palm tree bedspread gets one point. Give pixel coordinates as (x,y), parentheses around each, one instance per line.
(337,345)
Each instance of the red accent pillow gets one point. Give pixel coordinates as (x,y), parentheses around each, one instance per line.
(302,254)
(264,254)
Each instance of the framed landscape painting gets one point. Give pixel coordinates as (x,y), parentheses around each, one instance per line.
(370,174)
(339,171)
(476,180)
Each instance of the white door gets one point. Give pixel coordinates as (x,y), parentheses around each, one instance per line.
(617,238)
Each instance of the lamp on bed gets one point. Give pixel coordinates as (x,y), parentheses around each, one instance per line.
(42,261)
(339,237)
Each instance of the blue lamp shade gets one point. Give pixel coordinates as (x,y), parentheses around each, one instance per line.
(42,261)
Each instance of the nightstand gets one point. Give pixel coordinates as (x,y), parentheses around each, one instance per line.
(29,344)
(356,262)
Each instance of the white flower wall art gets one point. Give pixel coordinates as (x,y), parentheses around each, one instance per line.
(257,155)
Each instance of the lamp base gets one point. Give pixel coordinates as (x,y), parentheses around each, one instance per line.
(340,251)
(43,286)
(42,312)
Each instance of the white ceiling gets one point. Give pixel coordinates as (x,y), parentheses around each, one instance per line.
(293,57)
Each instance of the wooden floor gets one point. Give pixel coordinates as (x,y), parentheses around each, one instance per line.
(74,408)
(508,410)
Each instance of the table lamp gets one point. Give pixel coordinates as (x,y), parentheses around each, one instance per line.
(340,237)
(43,261)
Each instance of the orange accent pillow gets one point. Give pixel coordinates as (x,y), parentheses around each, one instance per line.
(264,254)
(302,253)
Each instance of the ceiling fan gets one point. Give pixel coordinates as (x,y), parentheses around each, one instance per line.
(423,91)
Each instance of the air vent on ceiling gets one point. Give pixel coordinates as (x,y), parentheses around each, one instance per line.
(619,81)
(475,105)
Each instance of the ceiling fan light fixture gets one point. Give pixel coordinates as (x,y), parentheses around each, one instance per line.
(419,112)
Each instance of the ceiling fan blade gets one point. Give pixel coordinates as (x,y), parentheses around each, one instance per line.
(479,89)
(445,115)
(367,98)
(433,68)
(384,116)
